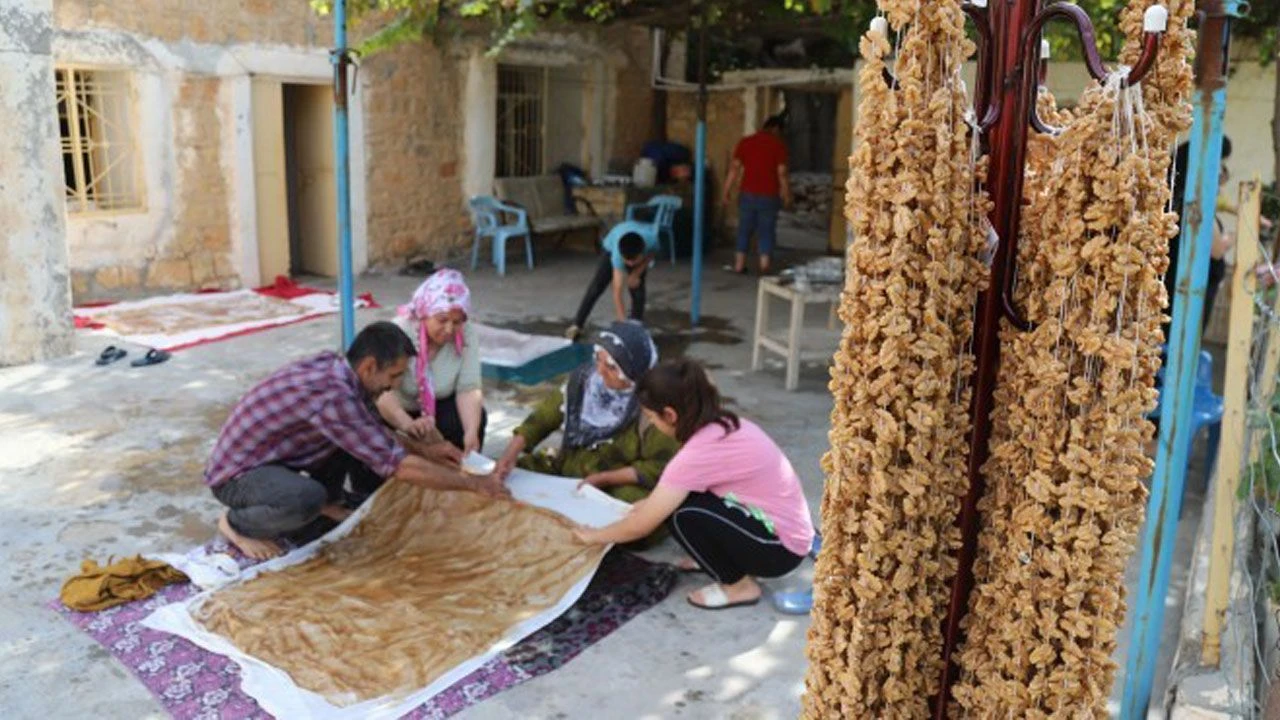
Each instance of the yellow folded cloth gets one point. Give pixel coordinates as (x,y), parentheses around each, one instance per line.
(123,581)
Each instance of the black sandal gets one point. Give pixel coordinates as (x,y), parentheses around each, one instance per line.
(153,357)
(110,354)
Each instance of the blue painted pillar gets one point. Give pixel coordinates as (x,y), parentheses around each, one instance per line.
(699,218)
(699,174)
(1178,390)
(340,61)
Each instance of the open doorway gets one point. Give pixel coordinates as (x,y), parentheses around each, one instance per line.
(811,138)
(294,169)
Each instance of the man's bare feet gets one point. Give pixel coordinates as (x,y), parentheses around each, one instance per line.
(335,512)
(251,547)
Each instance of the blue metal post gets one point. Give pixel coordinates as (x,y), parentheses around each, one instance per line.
(340,60)
(699,173)
(1177,393)
(699,210)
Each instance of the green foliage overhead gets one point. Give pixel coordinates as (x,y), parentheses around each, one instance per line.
(841,22)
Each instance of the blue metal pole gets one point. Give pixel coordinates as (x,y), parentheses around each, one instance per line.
(699,213)
(1177,393)
(699,171)
(340,61)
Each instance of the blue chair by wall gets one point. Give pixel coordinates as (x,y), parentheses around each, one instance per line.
(661,211)
(1206,409)
(491,220)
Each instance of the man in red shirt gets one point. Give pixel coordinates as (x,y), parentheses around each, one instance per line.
(760,163)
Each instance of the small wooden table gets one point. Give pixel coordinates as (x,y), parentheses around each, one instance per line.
(790,347)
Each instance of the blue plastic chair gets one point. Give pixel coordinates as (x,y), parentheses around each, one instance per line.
(487,214)
(660,225)
(1206,409)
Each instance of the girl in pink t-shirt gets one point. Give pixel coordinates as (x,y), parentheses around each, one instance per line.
(733,500)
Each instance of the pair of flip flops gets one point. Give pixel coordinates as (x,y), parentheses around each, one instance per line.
(113,354)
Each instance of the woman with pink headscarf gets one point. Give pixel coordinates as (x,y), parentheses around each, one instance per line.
(442,388)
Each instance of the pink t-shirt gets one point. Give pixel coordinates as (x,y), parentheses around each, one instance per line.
(747,468)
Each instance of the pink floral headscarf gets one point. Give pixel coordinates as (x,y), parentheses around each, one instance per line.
(442,292)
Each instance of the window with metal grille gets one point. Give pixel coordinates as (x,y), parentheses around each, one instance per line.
(99,157)
(522,127)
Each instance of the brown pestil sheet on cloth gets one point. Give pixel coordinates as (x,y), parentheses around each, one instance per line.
(425,581)
(210,311)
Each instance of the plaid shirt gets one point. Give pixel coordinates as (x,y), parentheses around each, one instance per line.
(297,417)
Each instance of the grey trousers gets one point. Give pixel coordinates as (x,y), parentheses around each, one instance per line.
(274,501)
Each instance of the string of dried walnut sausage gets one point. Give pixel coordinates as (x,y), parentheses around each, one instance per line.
(1065,493)
(896,469)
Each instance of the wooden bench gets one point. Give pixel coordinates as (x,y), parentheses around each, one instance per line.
(543,197)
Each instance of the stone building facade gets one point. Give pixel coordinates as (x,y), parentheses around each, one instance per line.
(180,144)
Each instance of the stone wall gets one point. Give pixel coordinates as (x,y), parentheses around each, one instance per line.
(199,253)
(634,101)
(726,114)
(414,141)
(214,22)
(35,306)
(191,64)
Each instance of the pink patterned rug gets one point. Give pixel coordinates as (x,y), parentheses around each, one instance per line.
(191,682)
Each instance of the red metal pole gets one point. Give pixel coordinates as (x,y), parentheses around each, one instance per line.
(1007,144)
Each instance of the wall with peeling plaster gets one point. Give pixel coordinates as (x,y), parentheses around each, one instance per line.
(35,302)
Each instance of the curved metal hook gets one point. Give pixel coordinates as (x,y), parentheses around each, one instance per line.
(1089,42)
(889,79)
(1093,61)
(981,18)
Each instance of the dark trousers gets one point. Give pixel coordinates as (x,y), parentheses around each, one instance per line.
(449,422)
(727,542)
(758,214)
(601,282)
(275,501)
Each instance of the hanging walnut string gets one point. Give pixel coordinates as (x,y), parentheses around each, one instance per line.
(896,469)
(1065,494)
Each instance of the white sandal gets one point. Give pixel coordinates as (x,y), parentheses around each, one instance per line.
(714,598)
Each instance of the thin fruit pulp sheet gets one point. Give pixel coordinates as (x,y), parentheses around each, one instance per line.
(425,581)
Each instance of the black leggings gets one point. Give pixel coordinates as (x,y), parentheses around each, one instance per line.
(602,281)
(727,542)
(449,422)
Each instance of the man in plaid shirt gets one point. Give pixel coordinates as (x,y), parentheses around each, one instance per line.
(283,455)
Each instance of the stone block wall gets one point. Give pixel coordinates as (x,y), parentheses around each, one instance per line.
(216,22)
(413,141)
(634,103)
(726,113)
(193,247)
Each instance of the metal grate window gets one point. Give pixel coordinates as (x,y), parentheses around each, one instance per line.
(522,128)
(99,157)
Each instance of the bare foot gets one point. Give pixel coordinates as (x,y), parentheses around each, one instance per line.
(335,512)
(252,548)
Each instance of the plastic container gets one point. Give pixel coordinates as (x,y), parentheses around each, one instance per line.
(645,173)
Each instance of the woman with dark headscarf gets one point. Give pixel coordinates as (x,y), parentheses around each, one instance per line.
(605,442)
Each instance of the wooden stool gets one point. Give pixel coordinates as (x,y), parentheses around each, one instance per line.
(790,347)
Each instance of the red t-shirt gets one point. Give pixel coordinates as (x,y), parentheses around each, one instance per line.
(760,155)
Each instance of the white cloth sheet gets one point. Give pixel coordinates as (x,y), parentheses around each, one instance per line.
(508,348)
(307,306)
(273,688)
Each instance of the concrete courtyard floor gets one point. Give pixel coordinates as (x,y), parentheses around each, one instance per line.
(97,462)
